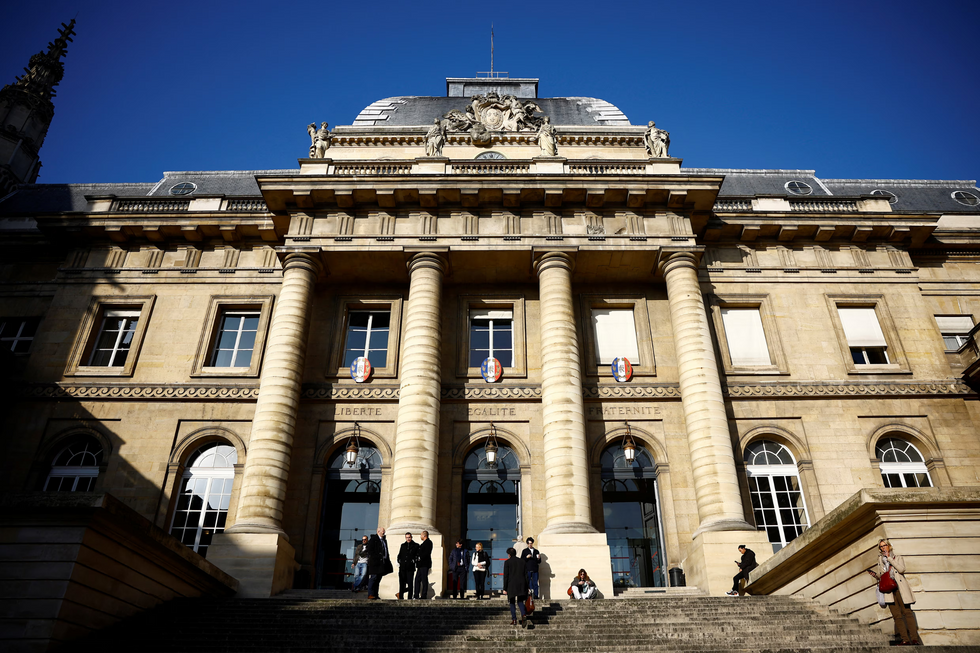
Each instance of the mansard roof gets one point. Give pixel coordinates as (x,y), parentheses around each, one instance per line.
(413,111)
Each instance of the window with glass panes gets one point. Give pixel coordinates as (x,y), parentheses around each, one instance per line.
(205,494)
(114,339)
(864,336)
(777,497)
(235,341)
(17,333)
(75,468)
(901,464)
(367,336)
(955,330)
(491,336)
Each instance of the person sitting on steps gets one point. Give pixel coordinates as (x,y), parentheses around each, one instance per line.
(746,565)
(583,587)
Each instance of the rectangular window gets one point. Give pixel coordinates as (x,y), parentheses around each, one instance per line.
(115,338)
(955,329)
(17,333)
(615,335)
(367,335)
(491,335)
(745,336)
(864,336)
(235,340)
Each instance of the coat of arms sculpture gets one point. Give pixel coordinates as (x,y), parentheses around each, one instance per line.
(492,112)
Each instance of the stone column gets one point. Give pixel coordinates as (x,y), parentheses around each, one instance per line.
(255,549)
(712,461)
(413,478)
(563,409)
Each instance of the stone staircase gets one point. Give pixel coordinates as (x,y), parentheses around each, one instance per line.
(291,625)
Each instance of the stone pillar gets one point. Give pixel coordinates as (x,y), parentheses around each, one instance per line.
(569,542)
(255,549)
(413,477)
(716,488)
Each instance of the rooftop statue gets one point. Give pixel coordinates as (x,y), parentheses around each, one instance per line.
(320,140)
(493,112)
(548,138)
(657,141)
(435,138)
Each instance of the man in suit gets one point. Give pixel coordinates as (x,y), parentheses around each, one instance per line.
(379,562)
(423,562)
(531,558)
(746,565)
(406,567)
(459,566)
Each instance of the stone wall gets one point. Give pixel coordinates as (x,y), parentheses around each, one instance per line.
(937,531)
(74,563)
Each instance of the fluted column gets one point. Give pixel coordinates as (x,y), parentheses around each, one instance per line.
(267,464)
(413,477)
(715,479)
(563,409)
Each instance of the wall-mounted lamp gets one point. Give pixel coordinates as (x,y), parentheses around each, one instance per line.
(629,447)
(350,454)
(491,447)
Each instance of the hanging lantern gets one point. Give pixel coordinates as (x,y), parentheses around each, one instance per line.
(629,447)
(491,447)
(350,454)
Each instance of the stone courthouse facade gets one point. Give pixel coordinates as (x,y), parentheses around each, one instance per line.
(666,361)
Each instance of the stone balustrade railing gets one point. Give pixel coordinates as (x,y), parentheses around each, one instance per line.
(490,167)
(151,205)
(373,168)
(822,206)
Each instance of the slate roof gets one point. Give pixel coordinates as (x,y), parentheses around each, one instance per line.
(406,111)
(234,183)
(743,182)
(911,194)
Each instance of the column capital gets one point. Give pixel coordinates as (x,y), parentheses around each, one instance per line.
(676,260)
(550,260)
(302,261)
(429,260)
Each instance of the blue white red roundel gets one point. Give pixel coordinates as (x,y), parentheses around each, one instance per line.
(491,370)
(360,369)
(621,369)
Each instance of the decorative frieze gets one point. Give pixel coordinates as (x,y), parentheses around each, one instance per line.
(209,392)
(336,392)
(470,393)
(849,389)
(631,391)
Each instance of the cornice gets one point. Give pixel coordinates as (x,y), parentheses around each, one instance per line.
(335,392)
(510,392)
(855,389)
(631,391)
(165,391)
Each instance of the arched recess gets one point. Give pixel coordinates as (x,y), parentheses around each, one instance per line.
(632,500)
(775,489)
(918,465)
(345,504)
(479,436)
(57,443)
(801,454)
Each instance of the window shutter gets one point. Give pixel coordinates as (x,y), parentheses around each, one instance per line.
(615,335)
(746,337)
(954,323)
(861,327)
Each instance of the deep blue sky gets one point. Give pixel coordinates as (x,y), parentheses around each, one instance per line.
(851,89)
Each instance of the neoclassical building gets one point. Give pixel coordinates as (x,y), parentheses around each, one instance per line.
(493,315)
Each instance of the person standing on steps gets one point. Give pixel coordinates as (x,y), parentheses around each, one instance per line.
(900,601)
(360,565)
(481,563)
(459,559)
(406,567)
(583,587)
(532,559)
(515,586)
(746,565)
(379,562)
(423,563)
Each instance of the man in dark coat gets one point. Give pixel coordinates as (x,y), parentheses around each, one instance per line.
(406,567)
(531,558)
(459,567)
(423,563)
(746,565)
(515,585)
(379,562)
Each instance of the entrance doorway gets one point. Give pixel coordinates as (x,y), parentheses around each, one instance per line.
(351,498)
(630,507)
(491,509)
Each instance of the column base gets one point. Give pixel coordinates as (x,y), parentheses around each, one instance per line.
(437,574)
(563,554)
(263,563)
(710,565)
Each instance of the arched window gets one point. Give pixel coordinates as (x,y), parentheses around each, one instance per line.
(777,498)
(76,467)
(901,464)
(205,492)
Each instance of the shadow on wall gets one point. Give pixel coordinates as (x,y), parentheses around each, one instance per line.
(545,579)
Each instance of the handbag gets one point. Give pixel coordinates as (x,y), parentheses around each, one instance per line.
(529,604)
(886,583)
(569,591)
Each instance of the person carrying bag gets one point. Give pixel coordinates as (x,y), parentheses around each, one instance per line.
(894,591)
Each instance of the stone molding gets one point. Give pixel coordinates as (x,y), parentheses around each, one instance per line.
(848,389)
(330,391)
(163,391)
(491,392)
(630,391)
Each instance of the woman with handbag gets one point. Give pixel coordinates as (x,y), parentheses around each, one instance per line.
(582,586)
(480,564)
(894,591)
(515,586)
